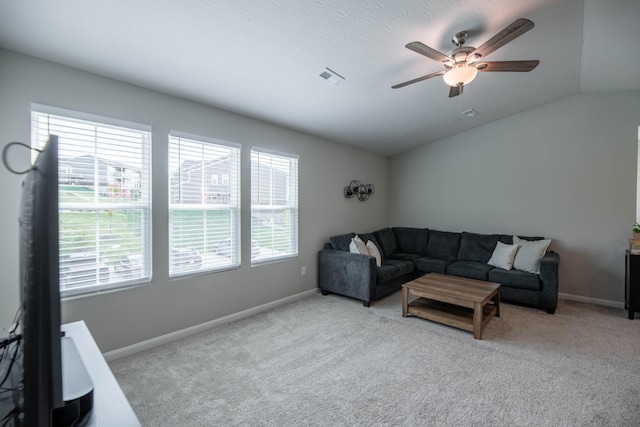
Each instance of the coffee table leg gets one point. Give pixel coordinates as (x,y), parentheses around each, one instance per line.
(477,320)
(497,303)
(405,301)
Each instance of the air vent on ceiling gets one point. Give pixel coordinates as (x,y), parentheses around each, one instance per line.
(470,112)
(331,76)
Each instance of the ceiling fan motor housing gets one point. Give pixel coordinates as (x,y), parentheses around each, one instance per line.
(459,38)
(459,56)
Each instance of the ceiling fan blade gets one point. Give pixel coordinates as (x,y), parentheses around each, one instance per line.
(455,91)
(419,79)
(511,32)
(425,50)
(507,65)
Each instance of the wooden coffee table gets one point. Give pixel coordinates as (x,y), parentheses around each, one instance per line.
(463,303)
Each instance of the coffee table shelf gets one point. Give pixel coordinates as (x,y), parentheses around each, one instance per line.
(463,303)
(449,314)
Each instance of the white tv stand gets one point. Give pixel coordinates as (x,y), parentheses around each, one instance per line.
(110,405)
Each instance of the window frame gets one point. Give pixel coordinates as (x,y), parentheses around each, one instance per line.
(234,208)
(144,209)
(292,205)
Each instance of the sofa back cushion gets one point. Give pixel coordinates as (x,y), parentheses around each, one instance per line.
(443,244)
(341,241)
(386,241)
(370,236)
(477,247)
(412,240)
(508,239)
(530,253)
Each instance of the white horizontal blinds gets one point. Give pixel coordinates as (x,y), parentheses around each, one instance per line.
(274,204)
(104,200)
(204,204)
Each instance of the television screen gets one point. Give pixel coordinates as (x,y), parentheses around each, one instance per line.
(49,383)
(40,292)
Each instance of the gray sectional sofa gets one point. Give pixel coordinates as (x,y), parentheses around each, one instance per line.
(407,253)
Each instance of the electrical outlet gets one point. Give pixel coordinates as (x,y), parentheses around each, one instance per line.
(303,271)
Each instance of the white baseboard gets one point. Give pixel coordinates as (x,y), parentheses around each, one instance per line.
(597,301)
(167,338)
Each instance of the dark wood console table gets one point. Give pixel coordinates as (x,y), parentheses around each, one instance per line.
(632,283)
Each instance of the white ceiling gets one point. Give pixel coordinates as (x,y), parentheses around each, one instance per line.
(263,58)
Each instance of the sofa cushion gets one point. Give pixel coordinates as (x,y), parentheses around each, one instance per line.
(405,257)
(386,241)
(529,254)
(477,247)
(412,240)
(392,268)
(503,256)
(507,239)
(357,246)
(373,251)
(515,279)
(470,269)
(443,244)
(341,241)
(429,264)
(369,236)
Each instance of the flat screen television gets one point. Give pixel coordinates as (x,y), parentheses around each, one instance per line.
(54,389)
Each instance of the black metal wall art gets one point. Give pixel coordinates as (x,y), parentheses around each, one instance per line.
(361,191)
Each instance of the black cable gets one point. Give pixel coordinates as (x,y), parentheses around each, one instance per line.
(6,348)
(10,415)
(13,413)
(13,359)
(6,341)
(5,152)
(12,333)
(16,321)
(5,351)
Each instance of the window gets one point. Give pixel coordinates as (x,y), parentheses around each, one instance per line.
(104,198)
(274,205)
(204,212)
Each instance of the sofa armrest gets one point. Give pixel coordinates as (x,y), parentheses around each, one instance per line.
(348,274)
(549,278)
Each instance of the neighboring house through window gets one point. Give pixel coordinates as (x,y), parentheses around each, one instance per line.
(104,192)
(274,204)
(204,213)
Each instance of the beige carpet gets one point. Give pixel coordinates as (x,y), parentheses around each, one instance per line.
(329,361)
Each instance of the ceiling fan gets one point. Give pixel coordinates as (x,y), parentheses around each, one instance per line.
(463,64)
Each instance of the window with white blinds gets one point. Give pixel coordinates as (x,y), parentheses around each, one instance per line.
(104,193)
(274,204)
(204,204)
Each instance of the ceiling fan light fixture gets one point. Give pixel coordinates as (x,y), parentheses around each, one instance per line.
(463,74)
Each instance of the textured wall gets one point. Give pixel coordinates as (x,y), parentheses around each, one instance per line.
(566,170)
(118,319)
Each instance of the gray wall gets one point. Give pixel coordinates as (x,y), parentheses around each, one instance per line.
(566,170)
(122,318)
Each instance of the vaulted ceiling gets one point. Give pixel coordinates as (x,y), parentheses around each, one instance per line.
(263,58)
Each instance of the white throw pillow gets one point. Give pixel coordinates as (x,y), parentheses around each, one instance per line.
(503,256)
(374,252)
(357,246)
(529,254)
